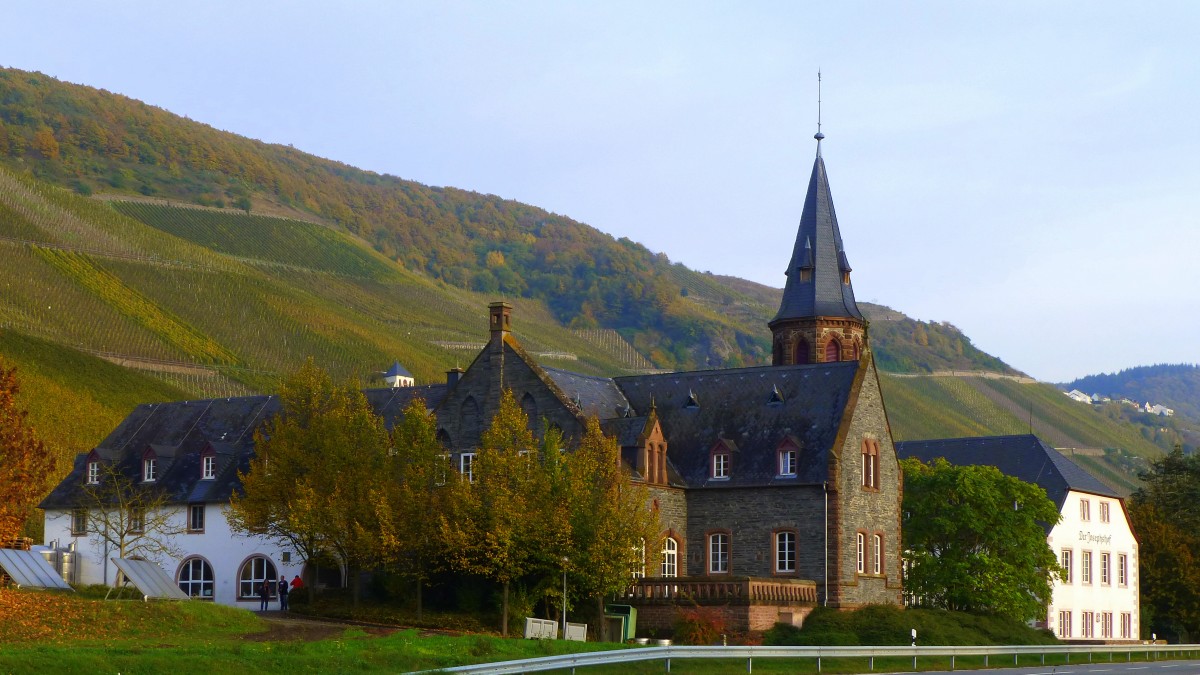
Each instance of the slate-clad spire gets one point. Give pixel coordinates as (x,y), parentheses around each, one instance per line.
(818,281)
(818,320)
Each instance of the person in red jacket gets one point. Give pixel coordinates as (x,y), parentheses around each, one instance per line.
(297,584)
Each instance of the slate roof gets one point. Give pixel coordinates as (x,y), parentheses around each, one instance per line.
(397,370)
(735,405)
(595,396)
(182,431)
(1024,456)
(818,247)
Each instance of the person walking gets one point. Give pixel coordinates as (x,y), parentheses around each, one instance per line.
(283,594)
(264,594)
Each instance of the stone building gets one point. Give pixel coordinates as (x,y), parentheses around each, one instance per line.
(777,486)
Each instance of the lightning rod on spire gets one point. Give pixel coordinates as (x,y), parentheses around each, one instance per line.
(819,135)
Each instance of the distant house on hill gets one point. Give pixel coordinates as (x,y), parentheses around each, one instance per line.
(777,486)
(1158,409)
(1076,395)
(1098,599)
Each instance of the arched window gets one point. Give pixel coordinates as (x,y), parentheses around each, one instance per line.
(856,350)
(801,355)
(861,565)
(870,463)
(254,572)
(877,554)
(530,409)
(670,557)
(639,569)
(196,578)
(469,422)
(785,552)
(777,353)
(833,351)
(443,437)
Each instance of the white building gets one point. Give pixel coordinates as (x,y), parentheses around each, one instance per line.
(193,450)
(1098,598)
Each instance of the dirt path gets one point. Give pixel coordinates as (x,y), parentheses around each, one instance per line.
(283,627)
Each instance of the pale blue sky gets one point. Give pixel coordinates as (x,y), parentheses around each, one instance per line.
(1028,171)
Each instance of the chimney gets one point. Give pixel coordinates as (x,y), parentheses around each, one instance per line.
(500,319)
(453,376)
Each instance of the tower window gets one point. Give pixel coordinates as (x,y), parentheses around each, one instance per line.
(801,356)
(833,351)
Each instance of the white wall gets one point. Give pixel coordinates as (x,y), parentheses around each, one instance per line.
(224,550)
(1093,535)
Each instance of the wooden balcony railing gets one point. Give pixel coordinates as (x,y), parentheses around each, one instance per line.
(720,591)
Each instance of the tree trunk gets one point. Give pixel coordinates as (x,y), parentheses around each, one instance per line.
(504,613)
(419,585)
(602,629)
(355,586)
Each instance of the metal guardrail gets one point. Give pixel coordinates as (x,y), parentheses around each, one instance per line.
(748,654)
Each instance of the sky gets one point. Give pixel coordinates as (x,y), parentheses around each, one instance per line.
(1027,171)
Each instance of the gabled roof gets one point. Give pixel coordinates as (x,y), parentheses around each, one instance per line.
(819,248)
(188,429)
(737,405)
(595,396)
(1024,456)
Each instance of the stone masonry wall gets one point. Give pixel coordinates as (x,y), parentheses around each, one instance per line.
(865,510)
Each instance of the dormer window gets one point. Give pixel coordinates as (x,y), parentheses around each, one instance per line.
(149,467)
(776,399)
(692,402)
(208,467)
(93,472)
(787,462)
(720,465)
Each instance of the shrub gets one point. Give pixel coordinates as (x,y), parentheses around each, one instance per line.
(699,626)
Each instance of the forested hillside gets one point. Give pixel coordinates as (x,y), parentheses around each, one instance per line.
(208,265)
(1175,386)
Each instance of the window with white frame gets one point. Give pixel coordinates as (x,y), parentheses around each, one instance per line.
(1064,624)
(1065,561)
(787,462)
(196,578)
(466,466)
(877,554)
(93,473)
(720,465)
(718,553)
(1126,624)
(1106,624)
(1104,569)
(1104,512)
(1085,567)
(639,570)
(208,467)
(785,552)
(1122,569)
(195,518)
(137,519)
(150,468)
(1085,510)
(861,565)
(442,470)
(670,557)
(1087,624)
(254,572)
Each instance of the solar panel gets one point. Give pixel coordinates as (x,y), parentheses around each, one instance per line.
(150,579)
(30,569)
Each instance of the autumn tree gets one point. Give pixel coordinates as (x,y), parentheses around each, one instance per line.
(611,523)
(1165,513)
(408,506)
(25,465)
(315,468)
(128,518)
(975,540)
(490,528)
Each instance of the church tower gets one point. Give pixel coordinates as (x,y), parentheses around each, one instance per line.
(818,320)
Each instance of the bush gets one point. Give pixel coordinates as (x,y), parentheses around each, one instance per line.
(889,625)
(699,626)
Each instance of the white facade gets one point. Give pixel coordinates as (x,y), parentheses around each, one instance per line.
(215,563)
(1098,599)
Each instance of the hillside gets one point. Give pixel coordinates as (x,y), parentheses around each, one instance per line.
(198,299)
(1175,386)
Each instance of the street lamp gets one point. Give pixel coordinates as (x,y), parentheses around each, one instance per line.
(565,561)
